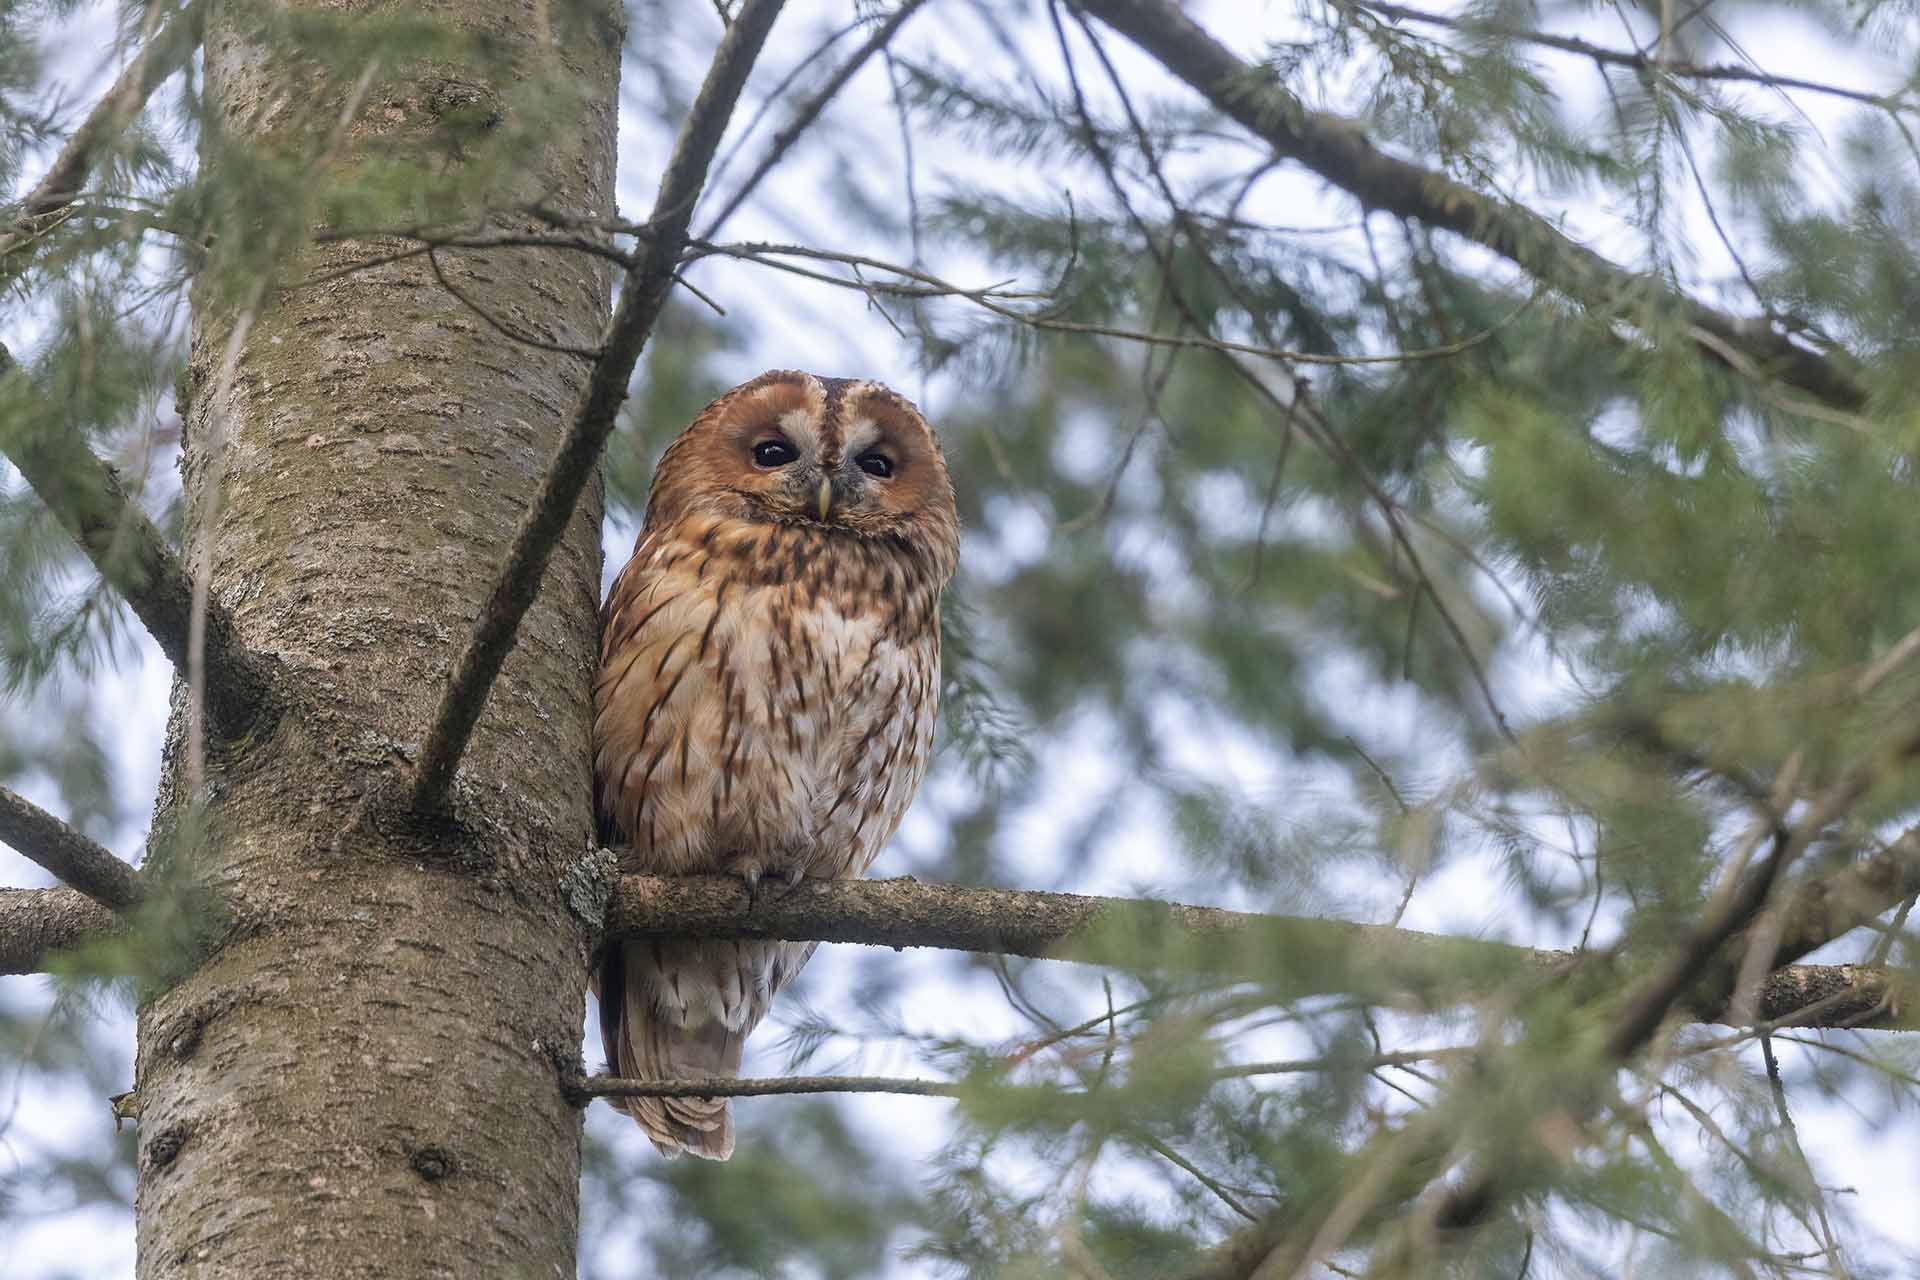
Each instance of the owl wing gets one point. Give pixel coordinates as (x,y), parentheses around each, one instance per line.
(757,721)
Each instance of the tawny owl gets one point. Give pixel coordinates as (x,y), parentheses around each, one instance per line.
(769,674)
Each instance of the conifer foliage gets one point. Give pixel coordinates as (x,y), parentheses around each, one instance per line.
(1439,496)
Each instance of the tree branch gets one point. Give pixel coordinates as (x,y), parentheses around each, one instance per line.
(1632,60)
(37,923)
(91,868)
(1309,957)
(1697,976)
(1306,956)
(643,293)
(1294,956)
(1235,1257)
(1339,151)
(88,499)
(164,54)
(584,1091)
(605,1086)
(82,491)
(1816,913)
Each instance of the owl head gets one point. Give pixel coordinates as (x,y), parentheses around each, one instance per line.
(845,455)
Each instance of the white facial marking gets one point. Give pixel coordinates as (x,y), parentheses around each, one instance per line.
(862,434)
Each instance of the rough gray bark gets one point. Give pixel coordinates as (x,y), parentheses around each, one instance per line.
(37,924)
(359,1077)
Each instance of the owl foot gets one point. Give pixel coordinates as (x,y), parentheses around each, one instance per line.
(765,888)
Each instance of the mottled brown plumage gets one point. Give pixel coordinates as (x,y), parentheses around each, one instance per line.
(769,674)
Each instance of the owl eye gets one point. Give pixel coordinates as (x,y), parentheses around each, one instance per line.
(875,464)
(774,453)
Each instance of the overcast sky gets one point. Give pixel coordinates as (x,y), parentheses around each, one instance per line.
(834,332)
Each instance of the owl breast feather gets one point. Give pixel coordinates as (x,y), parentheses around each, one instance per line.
(762,701)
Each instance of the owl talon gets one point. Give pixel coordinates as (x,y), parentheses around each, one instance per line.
(788,881)
(763,888)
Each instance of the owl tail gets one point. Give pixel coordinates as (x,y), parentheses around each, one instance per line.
(643,1046)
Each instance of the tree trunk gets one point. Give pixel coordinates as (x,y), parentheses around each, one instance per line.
(359,1075)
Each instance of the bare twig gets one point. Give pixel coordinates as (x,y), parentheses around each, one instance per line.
(749,1087)
(1632,60)
(1778,1087)
(423,238)
(1304,1066)
(1339,150)
(1288,432)
(498,325)
(779,95)
(995,299)
(643,293)
(809,110)
(603,1086)
(1220,1190)
(77,861)
(1735,1245)
(738,1087)
(89,500)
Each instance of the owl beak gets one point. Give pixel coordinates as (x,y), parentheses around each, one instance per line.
(826,497)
